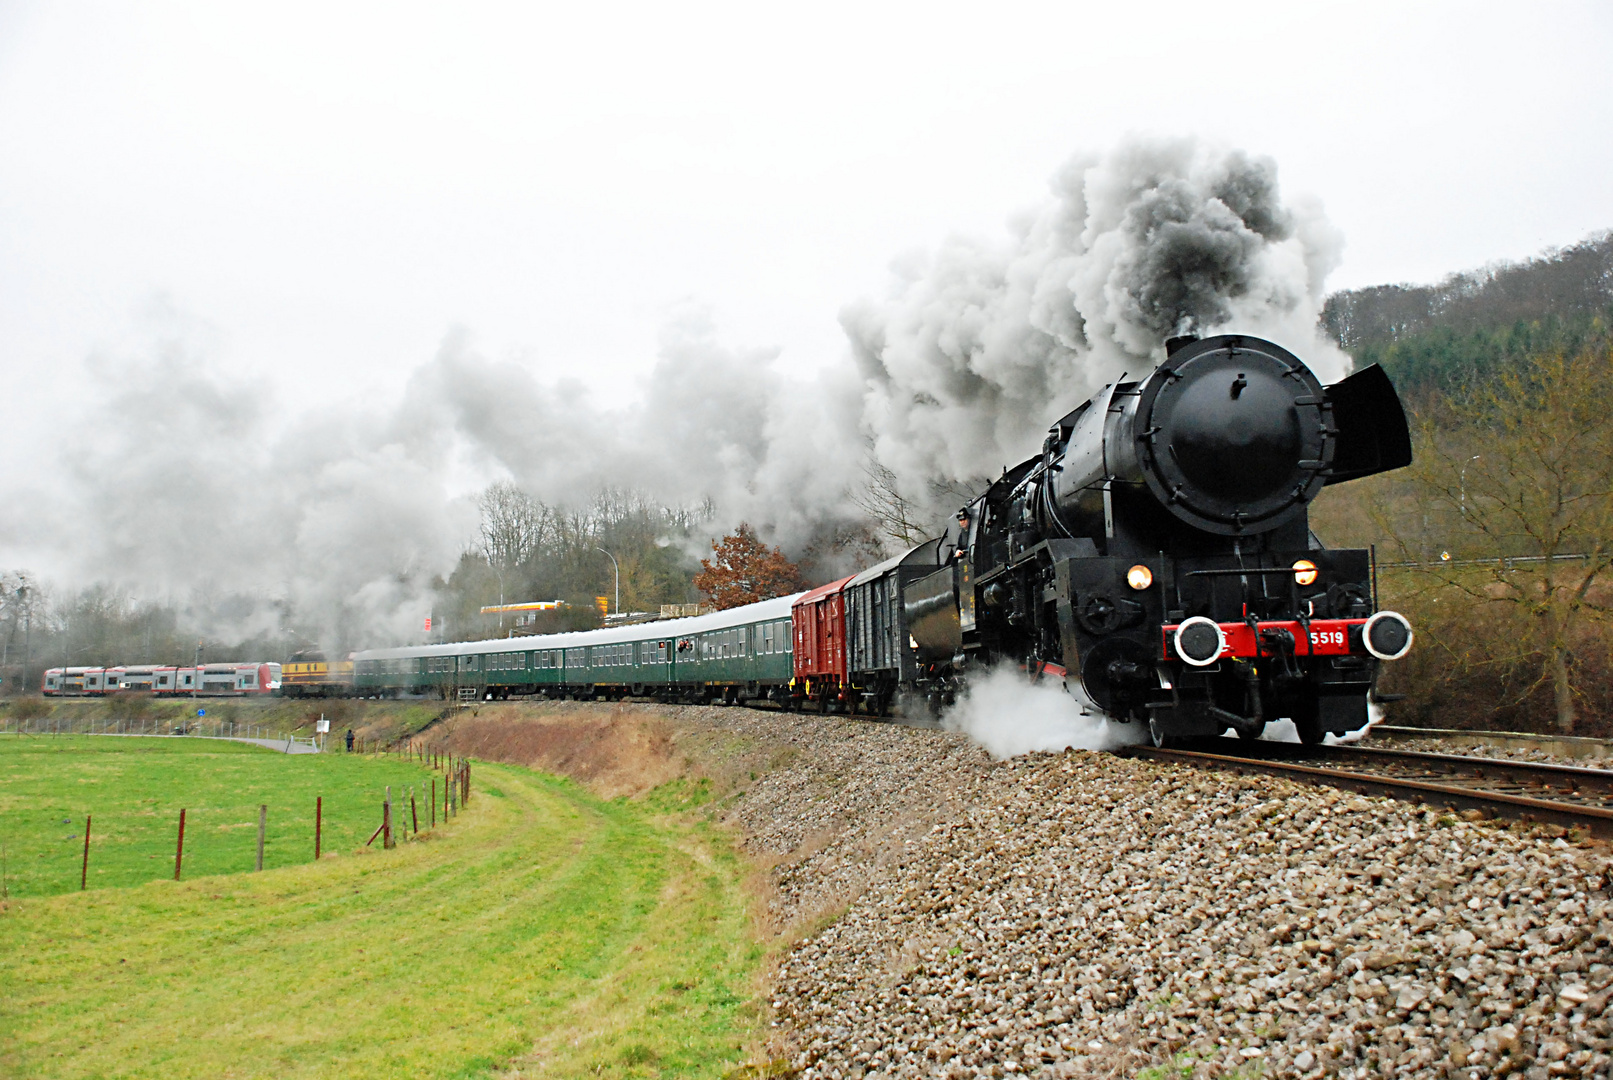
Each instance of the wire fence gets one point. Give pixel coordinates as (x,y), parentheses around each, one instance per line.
(194,726)
(1505,562)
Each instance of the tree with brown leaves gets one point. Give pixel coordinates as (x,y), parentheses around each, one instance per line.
(743,570)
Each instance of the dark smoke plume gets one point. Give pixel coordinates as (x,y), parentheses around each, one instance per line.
(344,514)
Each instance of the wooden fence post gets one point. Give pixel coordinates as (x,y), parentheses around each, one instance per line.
(319,814)
(263,825)
(433,802)
(179,850)
(84,873)
(386,819)
(414,813)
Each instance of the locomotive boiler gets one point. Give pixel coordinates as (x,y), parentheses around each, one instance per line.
(1157,553)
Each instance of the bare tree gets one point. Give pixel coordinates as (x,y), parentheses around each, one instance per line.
(895,516)
(880,497)
(1520,475)
(514,525)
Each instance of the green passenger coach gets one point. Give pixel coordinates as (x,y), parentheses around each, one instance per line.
(742,654)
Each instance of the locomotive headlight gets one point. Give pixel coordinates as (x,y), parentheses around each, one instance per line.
(1200,642)
(1139,577)
(1387,635)
(1305,572)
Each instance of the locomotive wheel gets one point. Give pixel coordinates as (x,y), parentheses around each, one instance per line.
(1115,697)
(1307,717)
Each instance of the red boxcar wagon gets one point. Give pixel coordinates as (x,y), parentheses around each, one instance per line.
(820,646)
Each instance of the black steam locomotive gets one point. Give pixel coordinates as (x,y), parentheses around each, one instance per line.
(1157,554)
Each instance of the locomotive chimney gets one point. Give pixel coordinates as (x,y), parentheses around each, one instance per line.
(1172,344)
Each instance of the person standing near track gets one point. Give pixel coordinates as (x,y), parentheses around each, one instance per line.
(349,740)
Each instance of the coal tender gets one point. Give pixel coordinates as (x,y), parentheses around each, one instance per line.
(1157,554)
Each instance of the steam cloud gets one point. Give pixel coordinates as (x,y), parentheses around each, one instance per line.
(1009,717)
(344,515)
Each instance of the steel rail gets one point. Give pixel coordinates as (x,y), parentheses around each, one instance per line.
(1597,820)
(1579,783)
(1575,783)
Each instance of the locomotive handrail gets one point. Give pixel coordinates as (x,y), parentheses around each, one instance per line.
(1237,572)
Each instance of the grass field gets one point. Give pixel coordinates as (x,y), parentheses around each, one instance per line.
(544,932)
(134,787)
(374,719)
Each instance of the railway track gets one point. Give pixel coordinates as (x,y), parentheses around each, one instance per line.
(1565,795)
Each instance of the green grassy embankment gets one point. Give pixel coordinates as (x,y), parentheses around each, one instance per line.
(135,787)
(544,932)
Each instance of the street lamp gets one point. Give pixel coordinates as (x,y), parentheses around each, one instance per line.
(27,632)
(618,567)
(1462,482)
(499,571)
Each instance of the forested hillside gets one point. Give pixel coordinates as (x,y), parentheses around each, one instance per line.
(1498,541)
(1470,324)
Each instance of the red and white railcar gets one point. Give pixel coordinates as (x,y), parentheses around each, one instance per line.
(210,680)
(236,680)
(69,682)
(152,678)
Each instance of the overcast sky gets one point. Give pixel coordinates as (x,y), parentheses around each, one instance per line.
(322,191)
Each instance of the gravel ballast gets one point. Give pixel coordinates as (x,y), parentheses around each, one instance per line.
(1091,916)
(1076,914)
